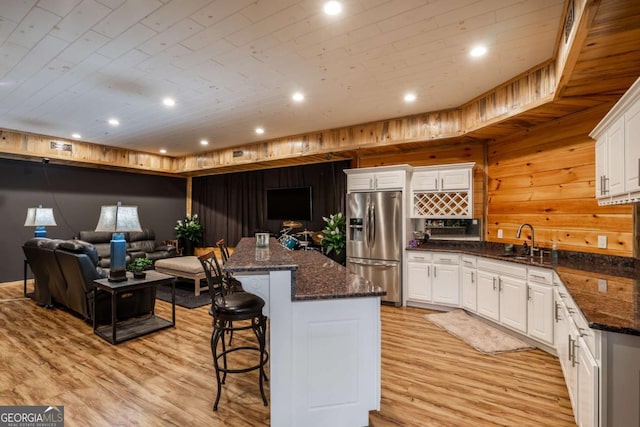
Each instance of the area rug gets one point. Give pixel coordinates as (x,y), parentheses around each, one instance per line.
(185,296)
(476,333)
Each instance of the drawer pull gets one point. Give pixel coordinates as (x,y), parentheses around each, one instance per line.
(535,276)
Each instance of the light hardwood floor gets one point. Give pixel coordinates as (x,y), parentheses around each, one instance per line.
(429,378)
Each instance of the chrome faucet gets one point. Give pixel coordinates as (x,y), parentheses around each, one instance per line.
(533,242)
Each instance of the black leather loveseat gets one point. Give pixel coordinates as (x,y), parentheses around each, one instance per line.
(139,244)
(64,271)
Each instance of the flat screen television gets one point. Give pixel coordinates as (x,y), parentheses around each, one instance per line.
(289,204)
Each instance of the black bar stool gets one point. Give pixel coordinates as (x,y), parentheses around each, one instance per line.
(228,308)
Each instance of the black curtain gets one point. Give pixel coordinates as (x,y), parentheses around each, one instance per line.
(232,206)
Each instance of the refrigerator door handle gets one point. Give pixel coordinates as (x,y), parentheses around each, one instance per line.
(373,225)
(373,264)
(368,225)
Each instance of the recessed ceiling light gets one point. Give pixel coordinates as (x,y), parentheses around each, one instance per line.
(163,151)
(114,122)
(76,135)
(409,97)
(169,102)
(204,142)
(298,97)
(332,7)
(478,51)
(259,131)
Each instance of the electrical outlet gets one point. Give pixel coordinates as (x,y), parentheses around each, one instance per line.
(499,233)
(602,242)
(602,285)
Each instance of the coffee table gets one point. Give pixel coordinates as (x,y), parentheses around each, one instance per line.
(119,331)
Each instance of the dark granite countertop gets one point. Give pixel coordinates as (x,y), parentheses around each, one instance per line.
(315,277)
(615,308)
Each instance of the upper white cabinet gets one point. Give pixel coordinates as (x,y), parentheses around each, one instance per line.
(442,191)
(377,178)
(618,151)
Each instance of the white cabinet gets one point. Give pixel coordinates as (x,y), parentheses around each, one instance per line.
(469,285)
(502,293)
(419,276)
(609,162)
(632,149)
(442,191)
(513,303)
(433,277)
(433,178)
(618,151)
(377,178)
(445,283)
(579,366)
(540,308)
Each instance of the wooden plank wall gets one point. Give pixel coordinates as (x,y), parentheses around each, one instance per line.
(30,146)
(546,177)
(434,154)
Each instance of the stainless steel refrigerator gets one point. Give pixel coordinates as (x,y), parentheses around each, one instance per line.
(374,240)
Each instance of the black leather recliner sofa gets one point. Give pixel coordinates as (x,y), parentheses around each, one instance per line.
(64,271)
(140,244)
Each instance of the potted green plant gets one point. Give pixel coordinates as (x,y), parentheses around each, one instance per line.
(334,240)
(138,267)
(189,231)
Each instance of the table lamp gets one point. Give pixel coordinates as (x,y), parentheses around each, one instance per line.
(118,219)
(40,218)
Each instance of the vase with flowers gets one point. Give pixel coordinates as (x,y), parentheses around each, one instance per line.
(334,240)
(189,232)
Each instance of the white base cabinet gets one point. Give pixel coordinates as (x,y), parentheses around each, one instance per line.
(433,277)
(540,304)
(502,293)
(579,366)
(469,283)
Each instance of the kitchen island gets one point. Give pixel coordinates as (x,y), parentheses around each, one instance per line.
(324,334)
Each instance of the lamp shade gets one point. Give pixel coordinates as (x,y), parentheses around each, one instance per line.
(118,219)
(39,217)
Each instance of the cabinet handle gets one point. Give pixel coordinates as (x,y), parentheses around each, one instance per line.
(435,183)
(441,183)
(499,284)
(472,278)
(371,183)
(418,257)
(428,271)
(574,362)
(582,332)
(494,283)
(555,310)
(605,183)
(535,276)
(571,310)
(445,259)
(569,356)
(435,274)
(563,296)
(528,293)
(469,263)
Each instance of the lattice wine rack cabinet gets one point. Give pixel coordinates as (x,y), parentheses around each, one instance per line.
(449,204)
